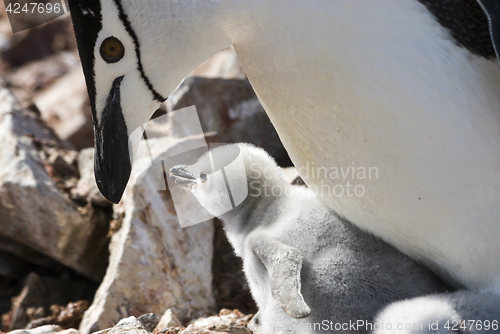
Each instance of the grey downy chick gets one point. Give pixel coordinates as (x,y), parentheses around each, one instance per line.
(309,270)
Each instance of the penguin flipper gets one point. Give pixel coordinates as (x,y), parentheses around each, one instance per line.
(283,264)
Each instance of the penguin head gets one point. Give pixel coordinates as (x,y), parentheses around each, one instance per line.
(133,55)
(209,178)
(227,176)
(209,190)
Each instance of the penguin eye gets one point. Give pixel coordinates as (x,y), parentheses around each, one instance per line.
(203,177)
(112,50)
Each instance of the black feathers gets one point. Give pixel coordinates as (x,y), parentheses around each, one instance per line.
(467,23)
(86,16)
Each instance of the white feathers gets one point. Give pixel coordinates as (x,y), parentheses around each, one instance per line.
(458,312)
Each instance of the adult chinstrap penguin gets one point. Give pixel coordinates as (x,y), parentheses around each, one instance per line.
(309,271)
(411,87)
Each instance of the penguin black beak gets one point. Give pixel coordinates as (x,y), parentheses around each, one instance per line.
(112,165)
(181,174)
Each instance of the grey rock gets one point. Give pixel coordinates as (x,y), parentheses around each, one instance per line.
(149,321)
(5,32)
(168,320)
(39,42)
(35,210)
(14,271)
(238,330)
(68,331)
(192,329)
(29,79)
(230,285)
(42,292)
(154,263)
(65,106)
(27,253)
(103,331)
(86,189)
(225,320)
(47,329)
(68,316)
(12,267)
(128,325)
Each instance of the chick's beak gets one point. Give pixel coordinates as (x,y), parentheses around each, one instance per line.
(181,174)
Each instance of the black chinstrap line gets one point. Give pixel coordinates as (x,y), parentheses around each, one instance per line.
(123,17)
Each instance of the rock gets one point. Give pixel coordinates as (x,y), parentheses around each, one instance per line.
(149,321)
(12,272)
(26,18)
(35,210)
(173,330)
(41,293)
(68,331)
(5,33)
(65,107)
(86,189)
(29,79)
(154,264)
(69,316)
(128,325)
(39,42)
(238,330)
(104,331)
(231,109)
(168,320)
(224,320)
(224,64)
(191,329)
(230,285)
(15,268)
(47,329)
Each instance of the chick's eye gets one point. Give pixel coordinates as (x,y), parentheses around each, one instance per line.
(203,177)
(112,50)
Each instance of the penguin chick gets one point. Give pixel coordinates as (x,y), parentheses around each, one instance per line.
(309,271)
(460,312)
